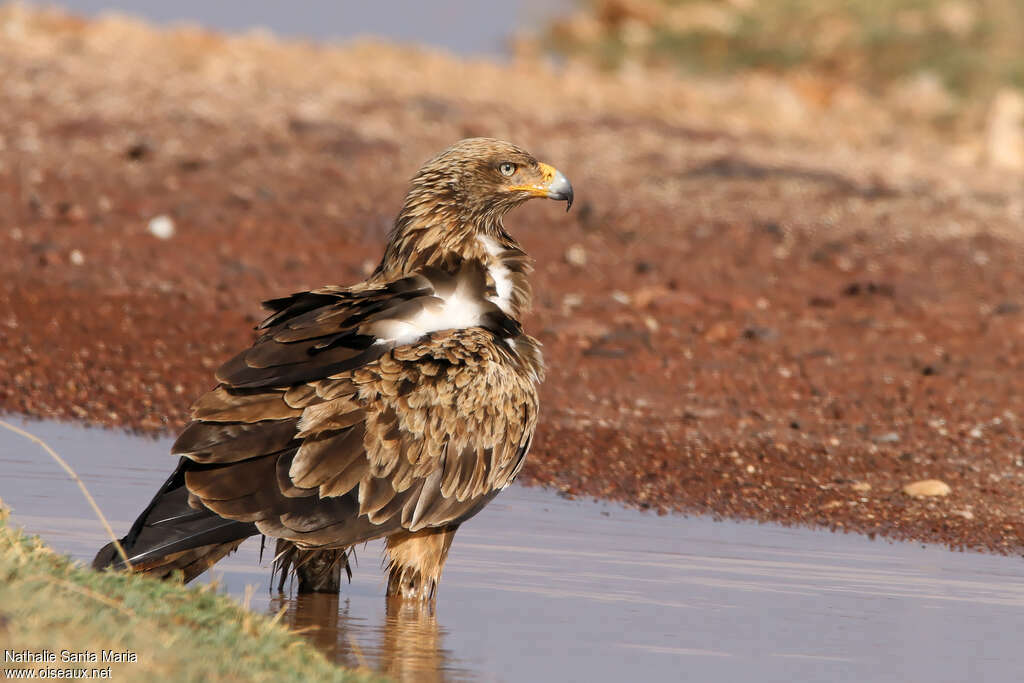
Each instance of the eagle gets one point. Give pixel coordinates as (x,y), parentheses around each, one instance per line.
(396,408)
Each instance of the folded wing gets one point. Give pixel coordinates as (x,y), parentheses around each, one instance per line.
(354,416)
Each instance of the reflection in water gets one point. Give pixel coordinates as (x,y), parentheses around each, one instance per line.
(405,646)
(539,588)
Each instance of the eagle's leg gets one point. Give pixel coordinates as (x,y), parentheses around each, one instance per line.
(317,570)
(415,562)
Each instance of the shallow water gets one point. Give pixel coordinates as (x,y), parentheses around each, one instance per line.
(468,27)
(540,588)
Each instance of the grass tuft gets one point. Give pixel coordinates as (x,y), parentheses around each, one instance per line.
(49,602)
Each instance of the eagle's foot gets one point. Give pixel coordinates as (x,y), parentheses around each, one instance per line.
(415,562)
(317,570)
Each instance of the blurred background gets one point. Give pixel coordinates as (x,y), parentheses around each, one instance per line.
(462,26)
(790,286)
(790,289)
(952,65)
(945,63)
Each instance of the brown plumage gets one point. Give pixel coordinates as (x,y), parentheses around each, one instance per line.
(394,408)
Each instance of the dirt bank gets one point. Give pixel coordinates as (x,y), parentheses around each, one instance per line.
(758,308)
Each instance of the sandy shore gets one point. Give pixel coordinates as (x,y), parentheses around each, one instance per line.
(761,306)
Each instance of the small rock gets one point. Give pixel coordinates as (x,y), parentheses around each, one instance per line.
(926,488)
(161,227)
(760,333)
(861,487)
(576,255)
(1007,308)
(76,257)
(888,437)
(644,296)
(697,413)
(571,301)
(719,332)
(138,151)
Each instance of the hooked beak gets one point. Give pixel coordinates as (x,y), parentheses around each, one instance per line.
(553,185)
(557,186)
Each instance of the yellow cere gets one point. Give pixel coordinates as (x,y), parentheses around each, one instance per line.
(547,173)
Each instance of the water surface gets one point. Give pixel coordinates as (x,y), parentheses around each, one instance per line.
(468,27)
(540,588)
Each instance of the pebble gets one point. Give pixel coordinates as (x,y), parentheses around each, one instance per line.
(571,301)
(161,227)
(76,257)
(576,255)
(719,332)
(926,488)
(888,437)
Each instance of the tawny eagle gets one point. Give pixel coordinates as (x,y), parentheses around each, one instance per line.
(396,408)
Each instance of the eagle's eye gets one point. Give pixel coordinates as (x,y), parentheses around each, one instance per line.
(507,168)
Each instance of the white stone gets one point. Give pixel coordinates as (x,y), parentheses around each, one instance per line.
(161,227)
(576,255)
(927,488)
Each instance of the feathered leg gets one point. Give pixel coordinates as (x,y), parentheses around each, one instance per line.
(416,560)
(318,571)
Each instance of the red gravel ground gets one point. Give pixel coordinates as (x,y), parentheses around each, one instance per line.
(743,316)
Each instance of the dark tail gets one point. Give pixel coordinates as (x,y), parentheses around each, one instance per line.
(171,535)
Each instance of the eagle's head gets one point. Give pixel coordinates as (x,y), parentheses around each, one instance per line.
(479,179)
(459,197)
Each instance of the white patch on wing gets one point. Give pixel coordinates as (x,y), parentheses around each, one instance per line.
(459,311)
(499,273)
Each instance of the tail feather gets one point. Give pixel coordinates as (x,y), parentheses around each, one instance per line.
(171,535)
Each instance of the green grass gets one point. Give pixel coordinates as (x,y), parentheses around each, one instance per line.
(973,47)
(48,602)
